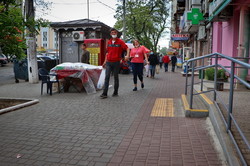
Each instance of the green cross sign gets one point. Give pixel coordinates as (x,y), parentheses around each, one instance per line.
(195,16)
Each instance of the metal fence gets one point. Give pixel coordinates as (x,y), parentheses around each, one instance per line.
(233,79)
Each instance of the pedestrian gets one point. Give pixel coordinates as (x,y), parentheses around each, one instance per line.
(146,66)
(173,60)
(112,60)
(153,61)
(85,54)
(160,61)
(166,60)
(137,55)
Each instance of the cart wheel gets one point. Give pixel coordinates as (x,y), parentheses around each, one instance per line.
(17,81)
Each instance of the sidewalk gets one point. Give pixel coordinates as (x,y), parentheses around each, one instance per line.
(146,127)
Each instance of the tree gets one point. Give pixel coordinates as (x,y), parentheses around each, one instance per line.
(13,25)
(163,50)
(145,20)
(12,41)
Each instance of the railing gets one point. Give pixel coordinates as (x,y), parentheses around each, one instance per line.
(233,77)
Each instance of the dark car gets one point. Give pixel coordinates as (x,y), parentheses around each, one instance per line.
(44,58)
(3,59)
(46,62)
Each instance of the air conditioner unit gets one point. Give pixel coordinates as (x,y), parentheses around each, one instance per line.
(78,35)
(202,33)
(196,2)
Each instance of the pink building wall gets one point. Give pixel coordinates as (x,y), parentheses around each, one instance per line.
(226,36)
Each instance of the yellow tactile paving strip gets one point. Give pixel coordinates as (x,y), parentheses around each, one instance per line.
(163,107)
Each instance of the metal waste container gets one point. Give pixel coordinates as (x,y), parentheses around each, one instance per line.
(201,74)
(21,70)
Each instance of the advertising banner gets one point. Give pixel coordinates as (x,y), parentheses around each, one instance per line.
(180,37)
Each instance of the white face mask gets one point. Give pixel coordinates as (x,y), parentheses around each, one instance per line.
(114,36)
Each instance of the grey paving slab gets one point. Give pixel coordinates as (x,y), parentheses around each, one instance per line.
(80,129)
(67,128)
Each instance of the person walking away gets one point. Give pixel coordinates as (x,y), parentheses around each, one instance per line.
(112,60)
(160,61)
(166,60)
(85,54)
(137,55)
(153,61)
(174,61)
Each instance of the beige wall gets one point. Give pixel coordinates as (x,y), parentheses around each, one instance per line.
(46,39)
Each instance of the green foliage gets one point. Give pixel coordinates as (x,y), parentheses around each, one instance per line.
(145,20)
(12,40)
(163,50)
(13,28)
(209,73)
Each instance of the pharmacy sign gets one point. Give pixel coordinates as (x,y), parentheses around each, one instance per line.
(195,16)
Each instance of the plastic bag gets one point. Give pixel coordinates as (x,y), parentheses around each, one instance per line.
(101,80)
(157,69)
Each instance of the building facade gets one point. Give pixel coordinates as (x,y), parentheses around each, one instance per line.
(223,27)
(47,40)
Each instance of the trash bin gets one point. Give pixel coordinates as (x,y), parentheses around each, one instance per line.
(220,85)
(21,70)
(200,74)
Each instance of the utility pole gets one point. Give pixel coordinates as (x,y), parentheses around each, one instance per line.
(88,9)
(124,21)
(31,43)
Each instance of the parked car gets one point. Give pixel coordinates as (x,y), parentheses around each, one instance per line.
(46,62)
(3,59)
(43,58)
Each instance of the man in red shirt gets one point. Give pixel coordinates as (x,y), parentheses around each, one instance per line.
(166,60)
(112,62)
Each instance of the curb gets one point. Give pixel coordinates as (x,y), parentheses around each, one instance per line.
(12,108)
(193,113)
(218,125)
(225,141)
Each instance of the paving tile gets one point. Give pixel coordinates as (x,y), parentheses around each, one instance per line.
(80,129)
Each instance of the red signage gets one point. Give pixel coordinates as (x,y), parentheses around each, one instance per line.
(180,36)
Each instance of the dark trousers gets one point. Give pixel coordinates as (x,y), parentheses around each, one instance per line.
(166,67)
(173,67)
(137,71)
(161,64)
(152,70)
(113,67)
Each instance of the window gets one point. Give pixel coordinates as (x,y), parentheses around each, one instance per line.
(44,45)
(45,36)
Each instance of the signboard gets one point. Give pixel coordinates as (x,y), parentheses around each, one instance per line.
(175,45)
(216,7)
(180,37)
(195,16)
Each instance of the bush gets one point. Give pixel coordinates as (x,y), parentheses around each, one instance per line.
(221,74)
(209,74)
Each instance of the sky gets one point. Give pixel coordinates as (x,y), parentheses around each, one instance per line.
(99,10)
